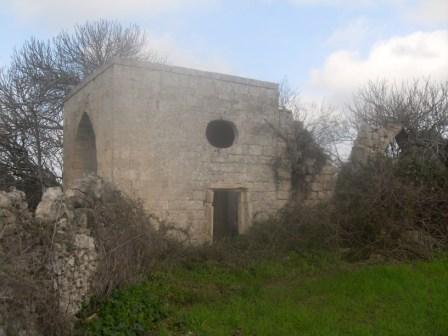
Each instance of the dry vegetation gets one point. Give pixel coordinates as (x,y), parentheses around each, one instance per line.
(26,284)
(128,244)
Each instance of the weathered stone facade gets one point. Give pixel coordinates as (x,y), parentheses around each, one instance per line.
(145,127)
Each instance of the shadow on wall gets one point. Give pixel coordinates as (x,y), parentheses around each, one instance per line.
(85,149)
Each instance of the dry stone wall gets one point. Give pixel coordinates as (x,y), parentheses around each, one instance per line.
(72,254)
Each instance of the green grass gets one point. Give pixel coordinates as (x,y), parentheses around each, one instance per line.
(296,295)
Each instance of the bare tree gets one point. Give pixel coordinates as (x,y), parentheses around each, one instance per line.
(327,125)
(420,107)
(94,44)
(33,89)
(31,97)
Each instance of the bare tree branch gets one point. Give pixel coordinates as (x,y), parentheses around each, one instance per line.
(33,89)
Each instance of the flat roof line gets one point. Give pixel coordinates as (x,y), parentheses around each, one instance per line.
(173,69)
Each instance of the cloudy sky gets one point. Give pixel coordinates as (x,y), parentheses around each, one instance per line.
(325,48)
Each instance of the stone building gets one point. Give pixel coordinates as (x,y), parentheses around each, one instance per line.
(196,147)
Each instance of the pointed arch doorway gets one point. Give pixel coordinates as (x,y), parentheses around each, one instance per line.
(85,158)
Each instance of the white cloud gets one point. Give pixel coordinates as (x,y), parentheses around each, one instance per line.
(73,11)
(422,11)
(430,11)
(421,54)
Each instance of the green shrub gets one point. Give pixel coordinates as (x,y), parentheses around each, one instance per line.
(132,311)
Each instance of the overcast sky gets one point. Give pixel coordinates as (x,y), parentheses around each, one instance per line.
(326,48)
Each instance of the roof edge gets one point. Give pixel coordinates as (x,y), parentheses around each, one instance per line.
(172,69)
(88,79)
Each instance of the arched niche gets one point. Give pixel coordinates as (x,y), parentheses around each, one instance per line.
(85,160)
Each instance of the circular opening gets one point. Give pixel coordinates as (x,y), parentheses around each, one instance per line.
(221,133)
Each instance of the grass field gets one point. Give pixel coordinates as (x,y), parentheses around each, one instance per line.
(293,295)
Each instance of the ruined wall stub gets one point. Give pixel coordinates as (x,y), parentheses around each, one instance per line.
(372,141)
(149,125)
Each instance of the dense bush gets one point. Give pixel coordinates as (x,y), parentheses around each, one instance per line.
(130,242)
(393,207)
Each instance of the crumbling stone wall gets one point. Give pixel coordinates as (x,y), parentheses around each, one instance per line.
(73,257)
(311,177)
(320,183)
(371,141)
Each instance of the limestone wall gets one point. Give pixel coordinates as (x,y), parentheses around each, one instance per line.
(320,184)
(150,122)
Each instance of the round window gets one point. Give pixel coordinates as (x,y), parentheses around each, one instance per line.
(221,133)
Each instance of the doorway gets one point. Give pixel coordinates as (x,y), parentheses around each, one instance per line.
(226,213)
